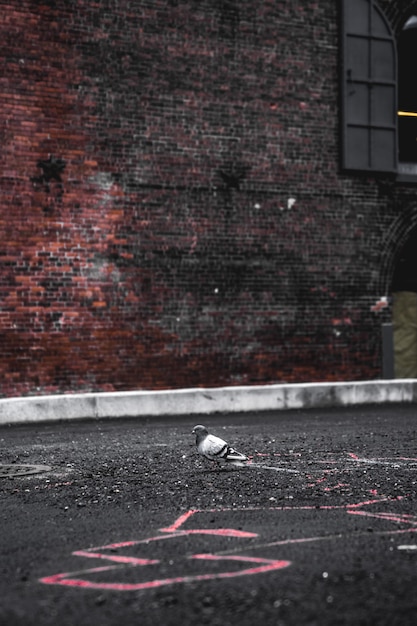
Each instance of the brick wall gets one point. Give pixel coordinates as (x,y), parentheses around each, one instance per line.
(172,212)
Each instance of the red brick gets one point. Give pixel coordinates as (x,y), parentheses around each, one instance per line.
(166,252)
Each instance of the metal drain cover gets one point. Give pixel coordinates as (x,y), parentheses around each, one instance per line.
(9,471)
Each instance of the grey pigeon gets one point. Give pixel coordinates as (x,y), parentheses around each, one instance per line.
(214,448)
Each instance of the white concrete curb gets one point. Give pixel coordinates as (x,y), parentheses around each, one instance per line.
(204,401)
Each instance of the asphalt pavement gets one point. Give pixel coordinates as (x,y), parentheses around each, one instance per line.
(125,524)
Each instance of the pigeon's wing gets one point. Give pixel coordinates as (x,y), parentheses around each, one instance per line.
(213,447)
(217,449)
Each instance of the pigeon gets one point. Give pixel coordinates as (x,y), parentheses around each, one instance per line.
(214,448)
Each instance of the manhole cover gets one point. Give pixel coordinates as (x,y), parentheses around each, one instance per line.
(8,471)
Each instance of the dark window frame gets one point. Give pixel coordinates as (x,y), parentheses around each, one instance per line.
(368,81)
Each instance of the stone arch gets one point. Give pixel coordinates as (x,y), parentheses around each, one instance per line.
(398,12)
(398,258)
(396,237)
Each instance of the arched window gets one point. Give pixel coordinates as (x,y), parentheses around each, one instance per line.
(369,88)
(405,274)
(407,92)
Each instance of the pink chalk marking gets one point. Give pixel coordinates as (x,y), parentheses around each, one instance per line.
(226,532)
(301,540)
(318,481)
(97,553)
(270,564)
(265,565)
(116,558)
(381,460)
(338,486)
(391,517)
(288,542)
(222,532)
(307,507)
(359,505)
(175,531)
(179,522)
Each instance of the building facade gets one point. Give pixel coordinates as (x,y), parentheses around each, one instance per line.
(205,192)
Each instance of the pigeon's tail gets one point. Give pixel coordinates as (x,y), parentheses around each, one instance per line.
(234,455)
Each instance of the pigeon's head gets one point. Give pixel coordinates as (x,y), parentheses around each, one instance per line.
(200,430)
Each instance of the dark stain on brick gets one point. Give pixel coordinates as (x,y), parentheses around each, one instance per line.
(232,175)
(52,168)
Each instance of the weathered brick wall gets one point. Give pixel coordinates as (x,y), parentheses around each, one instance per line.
(172,212)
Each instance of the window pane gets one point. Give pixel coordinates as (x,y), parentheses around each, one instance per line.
(383,60)
(358,57)
(383,105)
(357,104)
(357,16)
(383,149)
(357,148)
(379,26)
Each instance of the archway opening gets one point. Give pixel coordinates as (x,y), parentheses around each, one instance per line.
(404,293)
